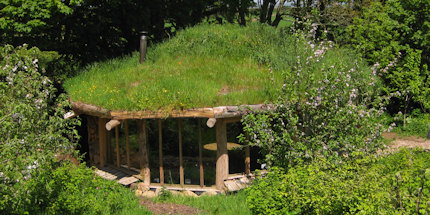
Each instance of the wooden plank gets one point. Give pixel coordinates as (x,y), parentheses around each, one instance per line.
(144,161)
(202,178)
(127,180)
(222,154)
(181,167)
(127,145)
(160,150)
(195,188)
(117,146)
(102,141)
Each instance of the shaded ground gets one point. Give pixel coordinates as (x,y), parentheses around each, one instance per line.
(398,141)
(168,208)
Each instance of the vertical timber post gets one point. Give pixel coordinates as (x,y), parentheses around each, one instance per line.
(181,167)
(247,156)
(202,179)
(247,161)
(160,150)
(108,146)
(222,154)
(117,146)
(144,161)
(102,141)
(127,147)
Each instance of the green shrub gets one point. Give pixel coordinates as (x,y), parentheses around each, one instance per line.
(328,107)
(33,136)
(76,190)
(395,184)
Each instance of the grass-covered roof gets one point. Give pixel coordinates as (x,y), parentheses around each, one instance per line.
(203,66)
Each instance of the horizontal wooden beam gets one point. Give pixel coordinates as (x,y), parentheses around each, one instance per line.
(191,113)
(216,112)
(90,110)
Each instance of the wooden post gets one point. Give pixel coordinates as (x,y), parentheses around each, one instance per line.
(102,141)
(202,179)
(247,156)
(181,167)
(109,147)
(222,154)
(160,151)
(117,146)
(144,161)
(247,161)
(127,147)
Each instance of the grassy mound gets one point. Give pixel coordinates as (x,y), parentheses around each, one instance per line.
(204,66)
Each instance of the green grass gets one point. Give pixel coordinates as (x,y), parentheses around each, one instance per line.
(220,204)
(203,66)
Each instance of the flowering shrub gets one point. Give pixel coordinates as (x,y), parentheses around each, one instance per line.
(329,108)
(33,132)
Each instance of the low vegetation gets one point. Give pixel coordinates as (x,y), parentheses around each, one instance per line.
(219,204)
(384,184)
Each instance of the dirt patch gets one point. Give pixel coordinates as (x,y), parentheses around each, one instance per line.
(398,141)
(168,208)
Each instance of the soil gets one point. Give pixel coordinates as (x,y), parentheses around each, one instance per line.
(158,208)
(398,141)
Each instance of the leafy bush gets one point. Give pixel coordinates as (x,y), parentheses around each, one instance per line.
(395,184)
(76,190)
(329,107)
(34,138)
(33,132)
(395,36)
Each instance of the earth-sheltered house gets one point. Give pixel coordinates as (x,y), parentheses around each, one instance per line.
(199,78)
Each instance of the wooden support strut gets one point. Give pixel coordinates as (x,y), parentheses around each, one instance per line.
(102,141)
(222,154)
(181,167)
(112,124)
(202,179)
(127,145)
(247,161)
(211,122)
(117,146)
(160,150)
(144,161)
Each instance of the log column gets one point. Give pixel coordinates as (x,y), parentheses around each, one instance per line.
(160,151)
(102,141)
(181,167)
(202,178)
(222,154)
(144,161)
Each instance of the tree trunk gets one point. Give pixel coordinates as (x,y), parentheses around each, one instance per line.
(270,12)
(263,11)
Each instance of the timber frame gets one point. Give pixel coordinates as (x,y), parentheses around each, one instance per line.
(101,121)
